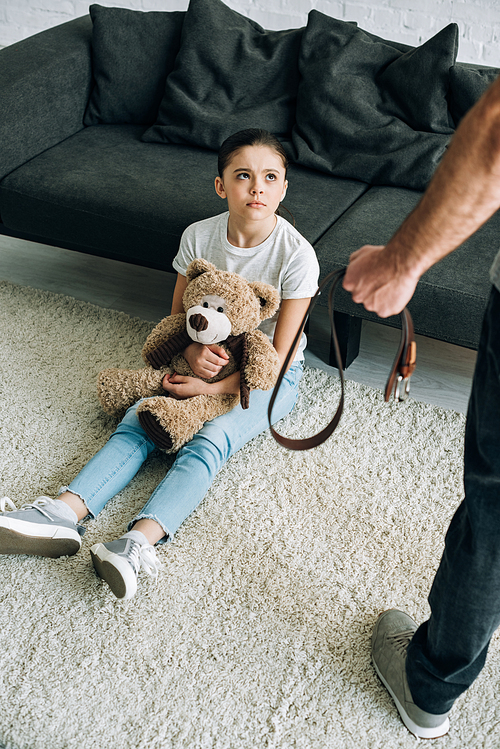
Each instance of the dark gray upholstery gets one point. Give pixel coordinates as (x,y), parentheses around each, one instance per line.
(467,85)
(450,298)
(132,54)
(104,189)
(368,111)
(230,74)
(316,201)
(44,88)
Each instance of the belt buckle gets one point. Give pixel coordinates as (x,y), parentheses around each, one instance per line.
(401,389)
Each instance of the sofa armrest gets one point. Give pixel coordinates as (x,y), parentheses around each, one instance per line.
(45,83)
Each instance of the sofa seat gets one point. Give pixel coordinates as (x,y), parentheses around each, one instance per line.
(366,120)
(450,298)
(106,192)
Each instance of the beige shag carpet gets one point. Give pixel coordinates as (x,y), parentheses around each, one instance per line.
(257,633)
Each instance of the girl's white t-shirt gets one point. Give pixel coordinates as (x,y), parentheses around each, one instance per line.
(285,260)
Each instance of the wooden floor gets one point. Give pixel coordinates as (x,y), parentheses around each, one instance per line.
(443,374)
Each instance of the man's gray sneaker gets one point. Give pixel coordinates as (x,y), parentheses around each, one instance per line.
(118,563)
(37,530)
(390,639)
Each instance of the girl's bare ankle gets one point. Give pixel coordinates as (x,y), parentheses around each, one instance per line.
(151,529)
(76,504)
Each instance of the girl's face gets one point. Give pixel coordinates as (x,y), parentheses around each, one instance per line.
(253,182)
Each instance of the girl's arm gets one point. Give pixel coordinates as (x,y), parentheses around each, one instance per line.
(290,317)
(291,314)
(180,288)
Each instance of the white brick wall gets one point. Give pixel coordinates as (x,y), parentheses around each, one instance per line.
(408,21)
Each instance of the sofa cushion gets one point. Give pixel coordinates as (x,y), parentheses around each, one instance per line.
(44,88)
(105,191)
(467,85)
(451,296)
(230,74)
(367,110)
(132,54)
(316,200)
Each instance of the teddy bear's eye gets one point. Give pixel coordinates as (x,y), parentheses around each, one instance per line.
(205,304)
(220,309)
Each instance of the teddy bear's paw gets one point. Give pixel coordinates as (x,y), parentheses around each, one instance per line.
(112,392)
(118,389)
(155,431)
(169,422)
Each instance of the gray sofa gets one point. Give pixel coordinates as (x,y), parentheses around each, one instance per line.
(109,127)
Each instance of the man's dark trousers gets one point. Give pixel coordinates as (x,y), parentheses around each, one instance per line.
(449,650)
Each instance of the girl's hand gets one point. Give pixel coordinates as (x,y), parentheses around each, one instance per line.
(184,387)
(205,361)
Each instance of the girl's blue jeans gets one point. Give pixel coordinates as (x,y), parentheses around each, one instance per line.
(449,650)
(195,466)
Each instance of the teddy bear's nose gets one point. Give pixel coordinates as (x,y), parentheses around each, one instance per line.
(198,322)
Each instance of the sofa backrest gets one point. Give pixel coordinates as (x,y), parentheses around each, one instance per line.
(344,101)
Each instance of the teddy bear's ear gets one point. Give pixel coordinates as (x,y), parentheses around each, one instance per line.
(198,267)
(268,297)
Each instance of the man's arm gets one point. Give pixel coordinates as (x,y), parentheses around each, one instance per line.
(463,194)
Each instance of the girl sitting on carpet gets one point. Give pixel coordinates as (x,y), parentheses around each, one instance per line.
(249,239)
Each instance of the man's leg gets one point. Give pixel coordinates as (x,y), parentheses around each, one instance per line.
(446,653)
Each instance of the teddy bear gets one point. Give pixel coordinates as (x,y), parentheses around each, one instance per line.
(220,307)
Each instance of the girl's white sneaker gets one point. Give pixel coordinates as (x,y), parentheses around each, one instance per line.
(119,562)
(38,529)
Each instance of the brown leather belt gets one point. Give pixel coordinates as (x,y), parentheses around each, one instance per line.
(397,382)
